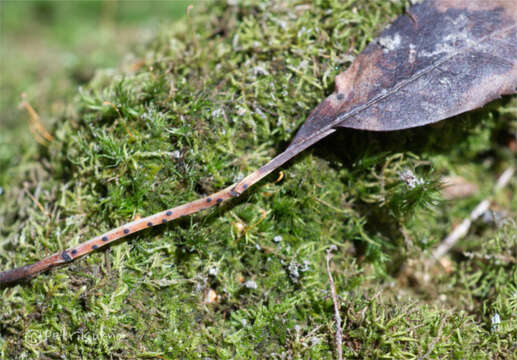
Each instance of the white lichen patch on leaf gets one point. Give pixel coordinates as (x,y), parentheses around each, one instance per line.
(390,43)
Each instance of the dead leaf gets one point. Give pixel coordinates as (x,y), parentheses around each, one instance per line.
(443,58)
(440,59)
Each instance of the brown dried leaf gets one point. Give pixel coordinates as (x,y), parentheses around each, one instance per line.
(457,187)
(443,58)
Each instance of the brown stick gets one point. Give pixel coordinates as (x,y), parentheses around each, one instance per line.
(162,217)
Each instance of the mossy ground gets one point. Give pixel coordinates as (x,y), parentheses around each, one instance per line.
(206,101)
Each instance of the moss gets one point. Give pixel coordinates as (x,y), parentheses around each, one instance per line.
(216,96)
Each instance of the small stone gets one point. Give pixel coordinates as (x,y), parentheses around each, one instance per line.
(496,320)
(294,274)
(278,238)
(212,297)
(493,217)
(250,284)
(315,341)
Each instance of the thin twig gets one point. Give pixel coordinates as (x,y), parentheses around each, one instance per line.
(462,229)
(41,207)
(337,317)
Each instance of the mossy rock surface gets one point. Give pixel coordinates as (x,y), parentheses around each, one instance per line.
(208,100)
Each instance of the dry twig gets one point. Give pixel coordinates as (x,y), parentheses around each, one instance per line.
(35,125)
(339,332)
(462,229)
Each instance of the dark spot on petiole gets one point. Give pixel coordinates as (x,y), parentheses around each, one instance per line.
(65,256)
(104,238)
(126,231)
